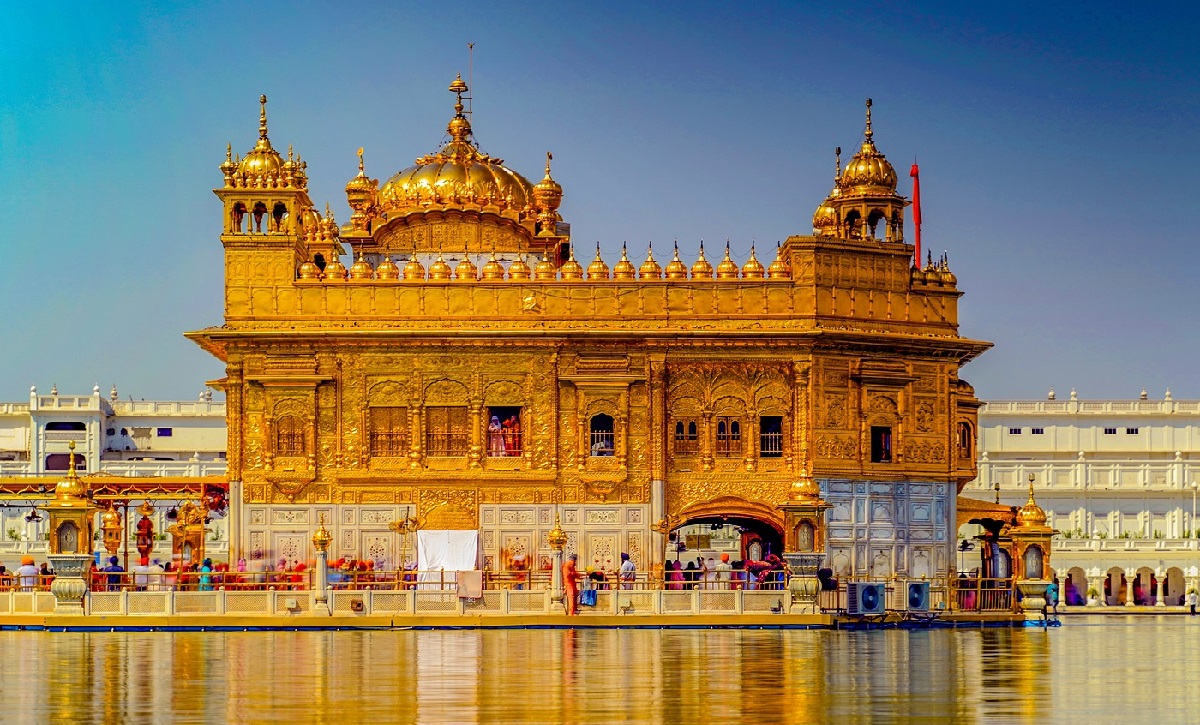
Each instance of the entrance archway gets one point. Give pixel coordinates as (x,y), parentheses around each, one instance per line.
(1115,587)
(742,530)
(1075,587)
(1173,587)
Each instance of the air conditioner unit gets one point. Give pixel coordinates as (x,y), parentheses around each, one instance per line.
(865,598)
(918,596)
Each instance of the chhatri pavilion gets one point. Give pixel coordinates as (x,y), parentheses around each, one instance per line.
(448,359)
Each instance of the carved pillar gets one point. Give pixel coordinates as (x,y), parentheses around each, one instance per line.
(475,424)
(801,417)
(1130,578)
(750,442)
(414,435)
(234,416)
(658,417)
(706,441)
(1160,598)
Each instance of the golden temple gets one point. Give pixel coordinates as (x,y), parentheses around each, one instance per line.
(369,380)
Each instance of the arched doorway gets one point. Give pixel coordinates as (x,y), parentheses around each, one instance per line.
(1114,587)
(729,528)
(1145,587)
(1075,587)
(1173,588)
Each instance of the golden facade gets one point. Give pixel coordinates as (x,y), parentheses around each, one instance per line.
(497,392)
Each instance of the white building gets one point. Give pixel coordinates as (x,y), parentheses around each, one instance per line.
(138,440)
(1118,478)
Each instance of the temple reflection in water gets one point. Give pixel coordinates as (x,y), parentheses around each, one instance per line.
(445,357)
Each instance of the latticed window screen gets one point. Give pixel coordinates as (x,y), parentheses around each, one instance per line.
(389,431)
(289,437)
(446,431)
(770,444)
(602,439)
(687,438)
(729,436)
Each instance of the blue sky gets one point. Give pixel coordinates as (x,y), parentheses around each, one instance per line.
(1057,146)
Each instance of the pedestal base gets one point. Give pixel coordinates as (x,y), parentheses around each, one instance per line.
(69,586)
(804,591)
(1033,597)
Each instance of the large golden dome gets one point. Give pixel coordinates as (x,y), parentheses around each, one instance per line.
(869,171)
(458,174)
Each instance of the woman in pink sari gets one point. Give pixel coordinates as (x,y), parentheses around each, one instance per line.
(674,576)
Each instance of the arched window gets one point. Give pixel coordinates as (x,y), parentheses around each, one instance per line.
(687,440)
(966,440)
(1033,562)
(729,436)
(260,210)
(278,214)
(289,437)
(389,431)
(805,536)
(601,439)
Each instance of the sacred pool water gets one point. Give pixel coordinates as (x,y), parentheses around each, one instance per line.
(1091,670)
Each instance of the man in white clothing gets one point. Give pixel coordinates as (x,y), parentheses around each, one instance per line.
(628,571)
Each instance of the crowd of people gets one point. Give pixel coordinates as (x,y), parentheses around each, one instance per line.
(710,573)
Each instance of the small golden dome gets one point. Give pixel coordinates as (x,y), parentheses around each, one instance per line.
(650,268)
(676,269)
(362,268)
(571,269)
(518,270)
(779,269)
(548,193)
(493,270)
(458,85)
(414,270)
(262,160)
(753,268)
(361,182)
(918,276)
(439,270)
(466,270)
(387,270)
(545,269)
(624,269)
(825,219)
(727,269)
(805,487)
(335,271)
(702,269)
(597,269)
(309,270)
(869,171)
(1031,516)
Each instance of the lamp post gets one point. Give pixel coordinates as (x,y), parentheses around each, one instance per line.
(321,540)
(996,486)
(557,539)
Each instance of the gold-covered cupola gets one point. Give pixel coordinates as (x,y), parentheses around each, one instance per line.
(457,193)
(864,203)
(262,163)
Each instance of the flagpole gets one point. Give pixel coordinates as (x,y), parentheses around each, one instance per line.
(915,173)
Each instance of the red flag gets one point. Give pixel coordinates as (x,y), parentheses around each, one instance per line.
(915,173)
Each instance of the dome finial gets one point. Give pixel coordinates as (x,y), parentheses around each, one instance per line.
(837,162)
(262,117)
(361,167)
(549,158)
(458,87)
(869,132)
